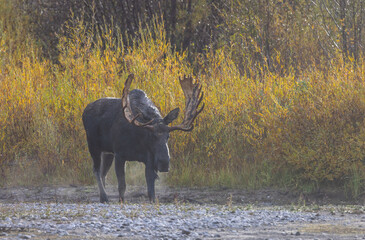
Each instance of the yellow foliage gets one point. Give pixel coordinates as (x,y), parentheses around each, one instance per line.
(253,126)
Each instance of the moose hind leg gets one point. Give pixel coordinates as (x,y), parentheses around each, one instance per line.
(106,163)
(97,159)
(120,172)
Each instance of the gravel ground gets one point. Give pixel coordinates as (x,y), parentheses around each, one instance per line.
(84,218)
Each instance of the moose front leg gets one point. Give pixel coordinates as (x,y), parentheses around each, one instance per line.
(151,176)
(120,172)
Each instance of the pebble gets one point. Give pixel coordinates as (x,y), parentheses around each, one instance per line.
(165,221)
(20,236)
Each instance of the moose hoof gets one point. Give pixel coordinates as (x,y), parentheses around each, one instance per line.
(104,199)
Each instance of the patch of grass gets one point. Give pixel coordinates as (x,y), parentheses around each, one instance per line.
(134,174)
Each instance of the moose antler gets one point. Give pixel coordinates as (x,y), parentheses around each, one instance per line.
(127,110)
(193,97)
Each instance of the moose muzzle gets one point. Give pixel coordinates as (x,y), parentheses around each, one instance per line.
(163,166)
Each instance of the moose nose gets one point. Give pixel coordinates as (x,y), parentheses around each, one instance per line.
(163,167)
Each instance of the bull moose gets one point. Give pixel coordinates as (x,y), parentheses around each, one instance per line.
(132,129)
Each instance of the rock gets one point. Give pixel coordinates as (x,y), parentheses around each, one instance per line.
(24,236)
(186,232)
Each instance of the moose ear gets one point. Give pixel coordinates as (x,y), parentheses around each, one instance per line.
(171,116)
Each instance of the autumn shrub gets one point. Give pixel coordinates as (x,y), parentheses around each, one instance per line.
(293,130)
(257,130)
(320,135)
(20,69)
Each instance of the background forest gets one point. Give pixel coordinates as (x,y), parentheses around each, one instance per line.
(283,81)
